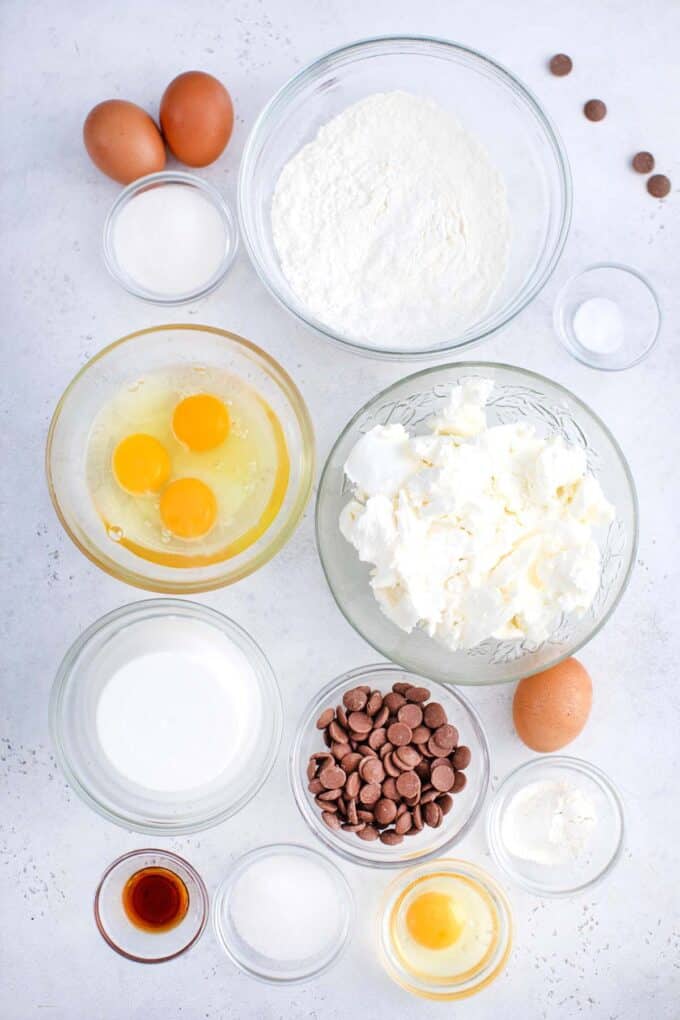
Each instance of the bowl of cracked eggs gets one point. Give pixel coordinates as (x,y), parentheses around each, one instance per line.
(476,523)
(180,458)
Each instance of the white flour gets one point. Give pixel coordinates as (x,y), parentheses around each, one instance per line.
(392,225)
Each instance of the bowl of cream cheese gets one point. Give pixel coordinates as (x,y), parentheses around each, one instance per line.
(477,523)
(404,196)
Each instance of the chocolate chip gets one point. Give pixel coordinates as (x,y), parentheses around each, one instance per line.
(435,715)
(352,815)
(391,837)
(331,820)
(369,833)
(374,703)
(341,716)
(360,723)
(399,734)
(446,736)
(421,735)
(332,777)
(433,815)
(417,694)
(353,826)
(340,751)
(377,738)
(390,768)
(385,749)
(381,717)
(370,794)
(436,751)
(325,718)
(446,802)
(311,769)
(401,688)
(394,701)
(408,755)
(459,782)
(353,785)
(408,784)
(595,110)
(403,823)
(371,770)
(442,778)
(389,789)
(658,185)
(385,811)
(560,65)
(316,786)
(354,700)
(364,815)
(461,757)
(338,735)
(330,795)
(643,162)
(417,817)
(428,796)
(350,763)
(410,714)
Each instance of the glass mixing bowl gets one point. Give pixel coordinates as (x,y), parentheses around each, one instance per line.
(518,395)
(429,842)
(123,363)
(491,103)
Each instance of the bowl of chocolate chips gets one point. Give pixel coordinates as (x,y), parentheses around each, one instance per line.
(388,768)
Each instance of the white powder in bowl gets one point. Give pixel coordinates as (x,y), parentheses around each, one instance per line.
(170,239)
(392,225)
(286,907)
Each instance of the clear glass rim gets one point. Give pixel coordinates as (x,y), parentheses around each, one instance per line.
(481,366)
(170,177)
(564,339)
(161,607)
(173,858)
(326,696)
(386,43)
(455,865)
(269,549)
(573,764)
(225,888)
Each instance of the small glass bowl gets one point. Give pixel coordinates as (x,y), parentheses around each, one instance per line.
(607,838)
(476,978)
(73,727)
(636,301)
(253,962)
(122,935)
(161,180)
(429,842)
(123,363)
(518,396)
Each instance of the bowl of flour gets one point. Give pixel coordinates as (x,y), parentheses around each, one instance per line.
(404,197)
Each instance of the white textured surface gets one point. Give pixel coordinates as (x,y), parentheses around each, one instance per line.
(614,953)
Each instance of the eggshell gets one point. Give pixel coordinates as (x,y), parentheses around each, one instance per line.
(551,708)
(123,141)
(196,117)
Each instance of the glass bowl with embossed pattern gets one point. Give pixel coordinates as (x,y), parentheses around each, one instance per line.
(518,395)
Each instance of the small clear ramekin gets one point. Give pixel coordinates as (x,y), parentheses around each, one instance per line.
(160,180)
(606,844)
(456,986)
(429,842)
(143,946)
(253,962)
(73,728)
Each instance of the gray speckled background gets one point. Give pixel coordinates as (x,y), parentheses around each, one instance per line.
(614,953)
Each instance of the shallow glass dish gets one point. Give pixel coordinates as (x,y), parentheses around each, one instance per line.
(429,842)
(266,968)
(123,363)
(460,985)
(147,946)
(162,180)
(518,395)
(73,727)
(491,103)
(604,849)
(636,302)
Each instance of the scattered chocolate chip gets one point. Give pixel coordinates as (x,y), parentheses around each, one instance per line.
(643,162)
(595,110)
(560,65)
(658,185)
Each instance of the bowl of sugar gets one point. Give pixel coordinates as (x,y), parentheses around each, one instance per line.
(170,238)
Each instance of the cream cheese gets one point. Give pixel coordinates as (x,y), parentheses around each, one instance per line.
(475,532)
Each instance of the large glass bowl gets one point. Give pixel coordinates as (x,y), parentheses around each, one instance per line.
(517,395)
(491,103)
(121,364)
(429,842)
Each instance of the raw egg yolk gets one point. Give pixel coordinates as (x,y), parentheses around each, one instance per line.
(188,508)
(141,464)
(432,922)
(201,422)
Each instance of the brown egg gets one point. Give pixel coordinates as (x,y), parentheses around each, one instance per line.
(551,708)
(197,118)
(123,141)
